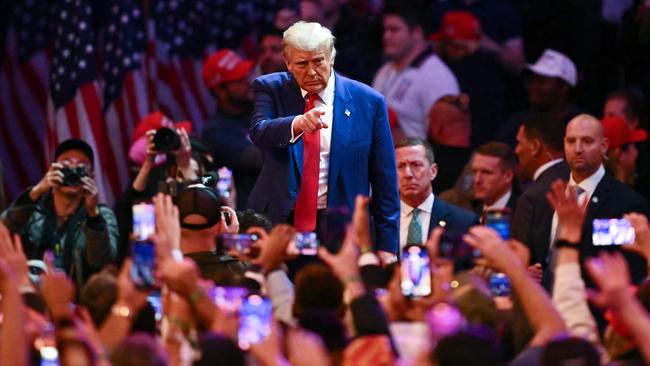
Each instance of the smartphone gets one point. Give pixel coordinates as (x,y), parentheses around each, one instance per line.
(334,226)
(144,220)
(254,320)
(237,243)
(612,232)
(453,247)
(224,182)
(499,220)
(143,254)
(156,303)
(415,271)
(305,243)
(228,298)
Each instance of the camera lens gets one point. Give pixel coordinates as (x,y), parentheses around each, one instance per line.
(166,140)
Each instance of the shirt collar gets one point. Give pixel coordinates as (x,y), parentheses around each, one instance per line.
(501,203)
(589,184)
(544,167)
(326,95)
(426,206)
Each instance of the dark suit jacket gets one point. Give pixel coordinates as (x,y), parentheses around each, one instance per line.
(532,200)
(455,218)
(611,199)
(361,155)
(511,204)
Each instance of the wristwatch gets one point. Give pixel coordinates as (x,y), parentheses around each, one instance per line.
(561,243)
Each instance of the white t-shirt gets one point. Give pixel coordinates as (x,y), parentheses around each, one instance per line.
(412,91)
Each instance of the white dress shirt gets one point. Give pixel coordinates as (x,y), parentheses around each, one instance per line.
(545,167)
(326,103)
(589,186)
(499,204)
(406,215)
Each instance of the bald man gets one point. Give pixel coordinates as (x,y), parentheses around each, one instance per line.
(584,148)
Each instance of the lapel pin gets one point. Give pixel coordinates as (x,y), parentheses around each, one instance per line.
(594,200)
(347,112)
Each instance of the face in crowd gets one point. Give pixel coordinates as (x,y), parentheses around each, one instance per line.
(490,178)
(414,173)
(311,69)
(584,146)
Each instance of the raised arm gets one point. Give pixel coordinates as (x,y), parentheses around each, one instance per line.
(542,316)
(268,129)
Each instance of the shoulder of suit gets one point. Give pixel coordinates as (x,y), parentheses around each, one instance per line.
(355,87)
(456,210)
(274,78)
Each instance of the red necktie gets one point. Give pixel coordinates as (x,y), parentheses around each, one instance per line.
(304,217)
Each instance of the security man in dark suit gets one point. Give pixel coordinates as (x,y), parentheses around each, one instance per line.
(541,159)
(420,211)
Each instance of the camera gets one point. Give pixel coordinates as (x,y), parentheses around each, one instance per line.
(166,140)
(72,175)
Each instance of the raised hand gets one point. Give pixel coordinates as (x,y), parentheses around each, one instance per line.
(612,277)
(91,196)
(58,292)
(497,253)
(570,213)
(52,179)
(641,243)
(168,227)
(11,249)
(273,249)
(310,121)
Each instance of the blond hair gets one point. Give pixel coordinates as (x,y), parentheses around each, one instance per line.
(309,36)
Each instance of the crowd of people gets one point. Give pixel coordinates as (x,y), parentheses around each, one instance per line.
(478,192)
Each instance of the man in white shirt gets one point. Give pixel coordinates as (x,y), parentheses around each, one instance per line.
(414,78)
(420,211)
(493,173)
(584,148)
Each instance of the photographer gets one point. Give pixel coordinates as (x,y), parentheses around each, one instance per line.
(61,213)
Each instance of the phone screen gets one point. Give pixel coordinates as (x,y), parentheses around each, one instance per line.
(415,271)
(500,222)
(612,232)
(143,267)
(228,298)
(144,221)
(255,320)
(239,244)
(305,243)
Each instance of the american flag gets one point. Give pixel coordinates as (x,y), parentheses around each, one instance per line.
(92,69)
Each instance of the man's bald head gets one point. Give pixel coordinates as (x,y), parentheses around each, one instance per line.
(584,146)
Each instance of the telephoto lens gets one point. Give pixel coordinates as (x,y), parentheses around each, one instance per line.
(166,140)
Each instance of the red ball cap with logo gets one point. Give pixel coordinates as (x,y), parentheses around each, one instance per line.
(224,66)
(619,133)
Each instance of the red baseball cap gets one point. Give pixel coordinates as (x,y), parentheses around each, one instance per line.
(223,66)
(619,133)
(156,120)
(458,25)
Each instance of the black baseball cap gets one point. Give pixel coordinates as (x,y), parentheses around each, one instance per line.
(199,200)
(75,144)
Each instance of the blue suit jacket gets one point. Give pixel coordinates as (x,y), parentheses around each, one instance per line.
(361,156)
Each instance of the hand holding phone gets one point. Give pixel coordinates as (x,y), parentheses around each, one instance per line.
(304,243)
(612,232)
(143,268)
(236,244)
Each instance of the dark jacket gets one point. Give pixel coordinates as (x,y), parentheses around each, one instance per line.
(86,244)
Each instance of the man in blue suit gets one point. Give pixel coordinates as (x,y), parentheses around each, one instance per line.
(325,139)
(421,212)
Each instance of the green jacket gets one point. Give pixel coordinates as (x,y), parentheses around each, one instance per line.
(88,244)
